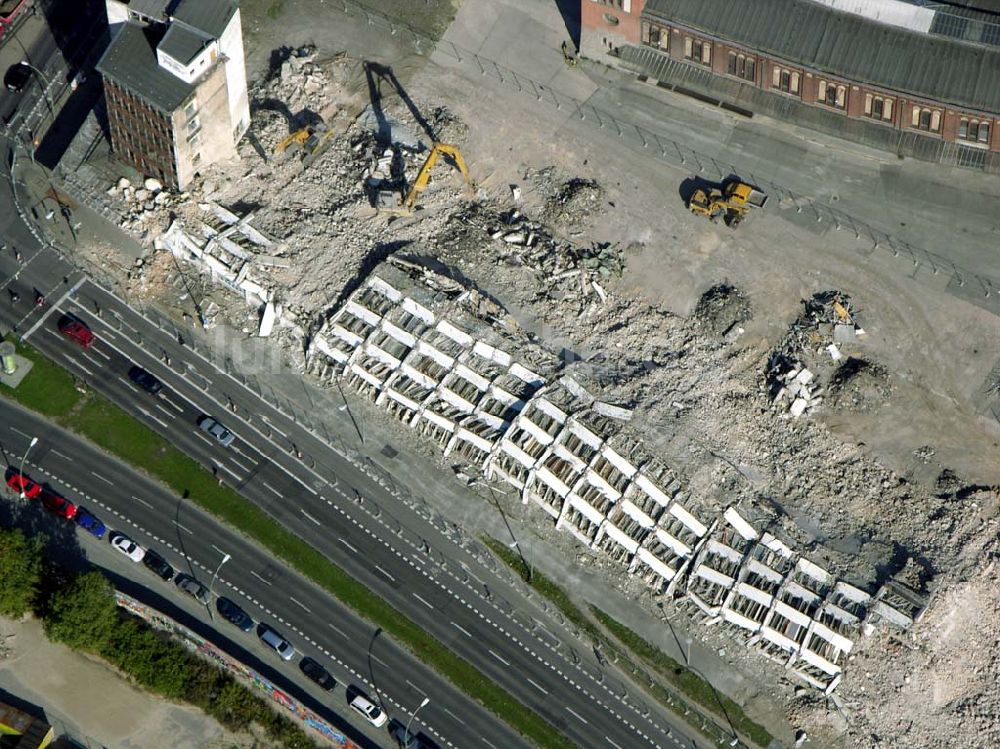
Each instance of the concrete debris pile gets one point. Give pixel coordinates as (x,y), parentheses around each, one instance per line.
(566,201)
(572,455)
(722,308)
(144,205)
(816,338)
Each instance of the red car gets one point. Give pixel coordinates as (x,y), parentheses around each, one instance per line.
(22,483)
(57,504)
(76,331)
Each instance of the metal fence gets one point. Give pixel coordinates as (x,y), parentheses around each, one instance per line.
(975,287)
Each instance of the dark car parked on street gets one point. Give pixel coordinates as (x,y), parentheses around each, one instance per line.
(233,613)
(17,77)
(317,673)
(158,564)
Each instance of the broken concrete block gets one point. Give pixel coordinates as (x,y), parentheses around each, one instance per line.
(844,333)
(834,352)
(798,407)
(804,377)
(124,182)
(516,192)
(267,320)
(516,237)
(153,185)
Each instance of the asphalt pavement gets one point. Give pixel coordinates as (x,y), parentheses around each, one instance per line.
(333,505)
(196,543)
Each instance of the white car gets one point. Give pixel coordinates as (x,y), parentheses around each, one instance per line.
(371,712)
(127,546)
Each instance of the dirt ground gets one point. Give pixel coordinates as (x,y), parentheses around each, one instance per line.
(893,473)
(86,700)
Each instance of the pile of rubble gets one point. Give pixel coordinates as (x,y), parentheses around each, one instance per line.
(814,341)
(566,201)
(699,402)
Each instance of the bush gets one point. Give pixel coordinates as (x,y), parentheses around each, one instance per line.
(153,661)
(20,571)
(83,614)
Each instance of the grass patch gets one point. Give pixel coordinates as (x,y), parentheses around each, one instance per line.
(47,389)
(544,586)
(689,683)
(685,684)
(54,394)
(275,9)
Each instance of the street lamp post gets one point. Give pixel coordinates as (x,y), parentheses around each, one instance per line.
(225,558)
(45,87)
(34,441)
(406,731)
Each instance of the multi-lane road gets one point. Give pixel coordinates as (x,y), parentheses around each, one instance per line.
(307,486)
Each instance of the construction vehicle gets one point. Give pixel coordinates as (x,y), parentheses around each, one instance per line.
(309,140)
(424,174)
(732,201)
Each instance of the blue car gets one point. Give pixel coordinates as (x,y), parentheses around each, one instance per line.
(90,522)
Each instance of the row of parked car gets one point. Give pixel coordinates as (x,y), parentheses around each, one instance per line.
(77,331)
(229,610)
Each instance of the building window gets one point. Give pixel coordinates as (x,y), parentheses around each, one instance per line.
(878,107)
(785,80)
(656,36)
(974,131)
(191,109)
(922,118)
(697,50)
(613,20)
(742,66)
(196,158)
(832,95)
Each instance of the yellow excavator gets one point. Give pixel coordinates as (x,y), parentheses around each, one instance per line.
(424,175)
(732,201)
(311,140)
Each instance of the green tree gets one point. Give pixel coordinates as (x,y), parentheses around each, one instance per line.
(20,571)
(83,614)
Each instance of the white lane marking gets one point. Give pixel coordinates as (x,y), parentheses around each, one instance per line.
(385,573)
(61,455)
(310,517)
(472,574)
(221,551)
(536,686)
(228,470)
(100,353)
(415,687)
(52,308)
(23,434)
(248,457)
(337,629)
(204,439)
(273,490)
(142,501)
(506,663)
(92,360)
(128,384)
(172,404)
(461,629)
(575,714)
(150,416)
(74,361)
(454,716)
(612,743)
(238,464)
(167,411)
(273,427)
(379,661)
(300,604)
(423,601)
(266,582)
(349,546)
(186,530)
(102,478)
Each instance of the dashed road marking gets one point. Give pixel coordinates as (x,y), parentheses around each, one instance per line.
(385,573)
(310,517)
(345,543)
(537,686)
(300,604)
(95,474)
(576,715)
(461,629)
(499,658)
(423,601)
(266,582)
(183,528)
(142,501)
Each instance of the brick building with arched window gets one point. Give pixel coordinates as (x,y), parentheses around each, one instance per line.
(891,74)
